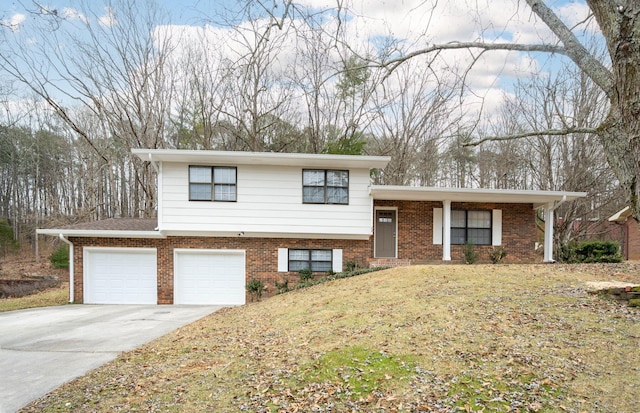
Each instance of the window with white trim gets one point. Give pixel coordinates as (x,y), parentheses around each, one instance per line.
(325,186)
(315,260)
(212,183)
(471,227)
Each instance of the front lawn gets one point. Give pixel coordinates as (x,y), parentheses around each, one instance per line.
(438,338)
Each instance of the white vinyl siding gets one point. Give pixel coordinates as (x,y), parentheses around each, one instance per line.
(269,202)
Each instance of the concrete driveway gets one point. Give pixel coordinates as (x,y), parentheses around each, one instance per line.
(43,348)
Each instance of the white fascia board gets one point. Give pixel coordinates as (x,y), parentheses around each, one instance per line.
(621,216)
(100,234)
(242,234)
(261,158)
(515,196)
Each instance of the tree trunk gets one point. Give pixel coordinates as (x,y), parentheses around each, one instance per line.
(620,133)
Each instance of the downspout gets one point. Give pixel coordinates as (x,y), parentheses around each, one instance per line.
(71,269)
(562,201)
(153,163)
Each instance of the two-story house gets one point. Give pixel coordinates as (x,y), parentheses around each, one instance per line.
(225,218)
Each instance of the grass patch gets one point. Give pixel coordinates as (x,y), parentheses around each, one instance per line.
(426,338)
(47,298)
(358,370)
(472,393)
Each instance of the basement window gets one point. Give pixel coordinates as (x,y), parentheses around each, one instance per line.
(315,260)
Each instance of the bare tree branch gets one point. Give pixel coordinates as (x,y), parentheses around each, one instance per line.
(550,132)
(597,71)
(392,64)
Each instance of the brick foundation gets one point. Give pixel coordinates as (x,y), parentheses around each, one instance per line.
(261,257)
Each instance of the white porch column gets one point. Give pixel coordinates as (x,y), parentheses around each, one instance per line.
(446,230)
(548,232)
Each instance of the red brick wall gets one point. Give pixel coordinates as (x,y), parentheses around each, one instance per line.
(415,243)
(633,239)
(261,257)
(415,230)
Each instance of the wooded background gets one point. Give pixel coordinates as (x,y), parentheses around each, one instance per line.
(65,148)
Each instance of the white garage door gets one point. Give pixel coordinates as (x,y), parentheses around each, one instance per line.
(209,277)
(120,275)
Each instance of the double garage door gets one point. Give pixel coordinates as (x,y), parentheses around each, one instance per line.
(129,276)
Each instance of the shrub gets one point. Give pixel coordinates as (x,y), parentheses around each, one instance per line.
(598,251)
(567,252)
(60,257)
(305,275)
(590,251)
(497,254)
(470,253)
(255,288)
(282,287)
(351,265)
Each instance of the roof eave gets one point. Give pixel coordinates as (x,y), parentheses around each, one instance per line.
(621,216)
(537,198)
(261,158)
(84,233)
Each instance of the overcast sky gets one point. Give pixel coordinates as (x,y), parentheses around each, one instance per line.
(369,23)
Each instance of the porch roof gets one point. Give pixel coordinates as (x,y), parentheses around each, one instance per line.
(621,216)
(512,196)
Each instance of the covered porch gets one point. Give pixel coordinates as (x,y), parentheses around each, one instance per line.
(425,224)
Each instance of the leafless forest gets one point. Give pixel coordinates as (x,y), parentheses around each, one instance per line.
(72,114)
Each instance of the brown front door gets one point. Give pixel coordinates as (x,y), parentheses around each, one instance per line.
(385,233)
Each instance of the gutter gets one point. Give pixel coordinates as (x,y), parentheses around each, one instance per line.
(71,269)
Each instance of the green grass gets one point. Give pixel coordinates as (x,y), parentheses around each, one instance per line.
(47,298)
(425,338)
(358,370)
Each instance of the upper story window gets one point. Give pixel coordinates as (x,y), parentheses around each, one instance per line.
(212,183)
(471,226)
(325,186)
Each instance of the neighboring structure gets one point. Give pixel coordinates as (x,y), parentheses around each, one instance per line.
(629,234)
(228,217)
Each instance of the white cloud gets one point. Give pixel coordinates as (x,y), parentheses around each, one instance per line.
(108,19)
(74,14)
(575,13)
(14,22)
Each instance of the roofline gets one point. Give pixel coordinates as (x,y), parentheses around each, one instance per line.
(621,216)
(86,233)
(517,196)
(261,158)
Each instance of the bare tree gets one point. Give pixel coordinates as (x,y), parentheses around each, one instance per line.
(619,131)
(114,66)
(414,108)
